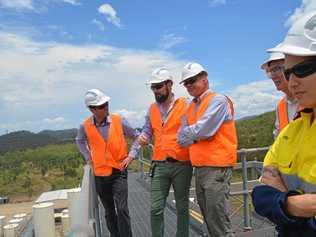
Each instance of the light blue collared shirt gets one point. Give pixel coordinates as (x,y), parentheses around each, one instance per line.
(103,128)
(217,112)
(147,128)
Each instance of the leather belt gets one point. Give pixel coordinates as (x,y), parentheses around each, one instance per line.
(172,160)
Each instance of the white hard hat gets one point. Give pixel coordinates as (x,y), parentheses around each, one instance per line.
(160,75)
(95,97)
(301,38)
(272,57)
(191,70)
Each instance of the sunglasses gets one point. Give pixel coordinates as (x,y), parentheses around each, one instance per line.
(301,70)
(275,71)
(99,107)
(190,81)
(157,86)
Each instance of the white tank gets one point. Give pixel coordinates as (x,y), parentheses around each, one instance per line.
(72,197)
(65,211)
(65,223)
(44,222)
(2,223)
(16,221)
(10,230)
(20,215)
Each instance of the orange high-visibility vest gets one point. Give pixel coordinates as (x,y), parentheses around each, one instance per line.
(108,154)
(165,134)
(283,113)
(219,150)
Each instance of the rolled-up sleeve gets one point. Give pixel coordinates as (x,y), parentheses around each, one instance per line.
(216,113)
(82,143)
(147,132)
(132,133)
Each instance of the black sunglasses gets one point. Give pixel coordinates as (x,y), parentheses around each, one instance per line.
(301,70)
(157,86)
(190,81)
(99,107)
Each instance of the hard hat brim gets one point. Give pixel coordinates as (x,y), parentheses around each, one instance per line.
(292,50)
(101,102)
(188,78)
(265,64)
(156,81)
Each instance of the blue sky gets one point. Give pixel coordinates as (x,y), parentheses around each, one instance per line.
(54,50)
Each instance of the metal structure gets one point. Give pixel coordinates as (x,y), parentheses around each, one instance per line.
(242,214)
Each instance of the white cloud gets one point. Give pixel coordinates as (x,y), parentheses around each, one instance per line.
(110,14)
(48,80)
(36,125)
(99,24)
(215,3)
(56,120)
(170,40)
(133,117)
(254,98)
(43,83)
(17,4)
(306,7)
(72,2)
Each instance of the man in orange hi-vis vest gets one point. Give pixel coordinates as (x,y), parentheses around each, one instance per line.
(287,106)
(208,130)
(101,140)
(170,162)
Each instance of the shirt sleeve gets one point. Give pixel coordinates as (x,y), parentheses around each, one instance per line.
(183,138)
(271,157)
(217,112)
(276,129)
(132,133)
(128,130)
(82,143)
(270,203)
(147,129)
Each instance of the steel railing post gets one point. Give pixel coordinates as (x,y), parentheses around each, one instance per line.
(245,190)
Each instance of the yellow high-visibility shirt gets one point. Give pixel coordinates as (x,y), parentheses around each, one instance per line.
(294,154)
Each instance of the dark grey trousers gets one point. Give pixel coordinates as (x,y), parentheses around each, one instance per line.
(212,191)
(113,193)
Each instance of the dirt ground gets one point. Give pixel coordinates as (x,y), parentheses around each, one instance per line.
(9,210)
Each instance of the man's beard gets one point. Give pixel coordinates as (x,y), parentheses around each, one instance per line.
(161,98)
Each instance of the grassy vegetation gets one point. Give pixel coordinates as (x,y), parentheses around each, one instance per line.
(33,171)
(47,168)
(256,132)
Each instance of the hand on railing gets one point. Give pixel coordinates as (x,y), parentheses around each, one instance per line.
(89,162)
(143,140)
(124,164)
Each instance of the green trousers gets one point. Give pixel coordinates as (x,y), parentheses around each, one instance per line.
(165,174)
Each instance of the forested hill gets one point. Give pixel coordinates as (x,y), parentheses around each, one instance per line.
(255,131)
(22,140)
(61,135)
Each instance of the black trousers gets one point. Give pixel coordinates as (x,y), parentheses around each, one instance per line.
(113,193)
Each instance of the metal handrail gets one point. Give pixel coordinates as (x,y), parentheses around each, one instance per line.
(244,164)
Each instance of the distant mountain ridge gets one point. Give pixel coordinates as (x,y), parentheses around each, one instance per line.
(63,135)
(253,131)
(22,140)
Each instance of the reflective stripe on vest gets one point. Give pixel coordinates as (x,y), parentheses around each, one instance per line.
(282,113)
(108,154)
(165,134)
(221,149)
